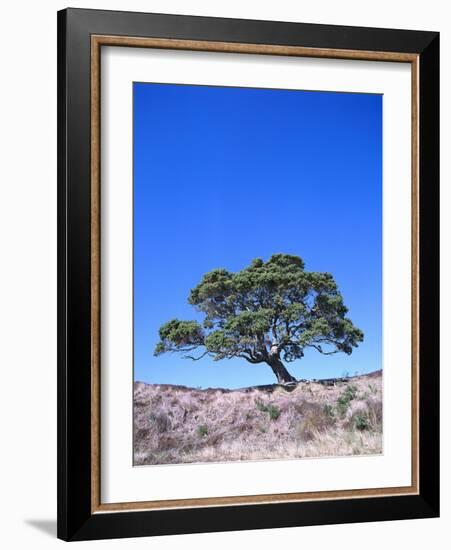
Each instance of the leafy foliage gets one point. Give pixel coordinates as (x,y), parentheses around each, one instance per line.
(272,410)
(268,312)
(361,422)
(345,398)
(202,430)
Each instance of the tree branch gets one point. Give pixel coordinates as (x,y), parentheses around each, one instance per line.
(206,352)
(179,348)
(320,349)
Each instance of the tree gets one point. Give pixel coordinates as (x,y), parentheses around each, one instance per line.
(269,312)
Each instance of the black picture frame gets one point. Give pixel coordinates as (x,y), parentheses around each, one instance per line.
(76,521)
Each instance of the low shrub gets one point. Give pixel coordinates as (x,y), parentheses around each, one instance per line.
(328,410)
(367,415)
(361,422)
(272,410)
(350,392)
(202,430)
(345,398)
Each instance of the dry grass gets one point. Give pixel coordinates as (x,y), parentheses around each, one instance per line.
(175,424)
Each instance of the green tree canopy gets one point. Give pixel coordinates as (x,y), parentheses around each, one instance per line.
(269,312)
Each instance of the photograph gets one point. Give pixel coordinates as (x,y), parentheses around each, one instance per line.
(248,272)
(257,274)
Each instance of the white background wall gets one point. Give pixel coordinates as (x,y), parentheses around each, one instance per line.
(28,271)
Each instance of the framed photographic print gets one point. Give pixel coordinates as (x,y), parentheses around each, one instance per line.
(248,274)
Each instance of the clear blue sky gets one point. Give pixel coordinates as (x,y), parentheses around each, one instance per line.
(225,175)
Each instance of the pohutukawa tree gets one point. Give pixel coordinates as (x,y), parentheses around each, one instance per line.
(269,312)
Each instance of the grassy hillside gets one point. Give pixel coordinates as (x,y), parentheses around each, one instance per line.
(176,424)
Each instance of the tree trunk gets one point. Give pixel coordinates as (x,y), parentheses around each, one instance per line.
(278,368)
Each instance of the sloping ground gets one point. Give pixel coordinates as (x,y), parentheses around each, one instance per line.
(176,424)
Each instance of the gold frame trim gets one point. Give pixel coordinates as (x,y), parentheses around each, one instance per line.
(97,41)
